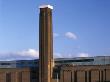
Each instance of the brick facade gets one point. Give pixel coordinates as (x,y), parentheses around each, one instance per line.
(14,75)
(95,73)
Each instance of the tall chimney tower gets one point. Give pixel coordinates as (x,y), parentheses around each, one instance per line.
(45,44)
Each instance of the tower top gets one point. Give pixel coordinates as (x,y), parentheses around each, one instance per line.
(46,6)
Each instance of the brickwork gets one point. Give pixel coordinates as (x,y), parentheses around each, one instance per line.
(95,73)
(45,44)
(11,75)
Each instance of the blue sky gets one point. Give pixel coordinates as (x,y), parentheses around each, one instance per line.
(81,28)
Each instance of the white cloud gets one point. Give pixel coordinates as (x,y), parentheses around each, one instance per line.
(20,55)
(29,52)
(71,35)
(24,55)
(55,34)
(57,55)
(34,54)
(83,55)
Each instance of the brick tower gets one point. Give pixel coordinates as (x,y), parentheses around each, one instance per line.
(45,44)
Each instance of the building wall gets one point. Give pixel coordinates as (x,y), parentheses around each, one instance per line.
(68,77)
(14,75)
(81,75)
(107,75)
(96,73)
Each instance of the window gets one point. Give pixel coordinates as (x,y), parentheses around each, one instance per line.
(5,63)
(8,77)
(20,77)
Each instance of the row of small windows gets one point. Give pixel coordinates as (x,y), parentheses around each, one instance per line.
(19,63)
(81,60)
(27,62)
(5,63)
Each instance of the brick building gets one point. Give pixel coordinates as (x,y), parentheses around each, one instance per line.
(88,69)
(82,69)
(19,71)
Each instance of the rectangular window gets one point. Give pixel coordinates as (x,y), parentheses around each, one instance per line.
(20,77)
(8,77)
